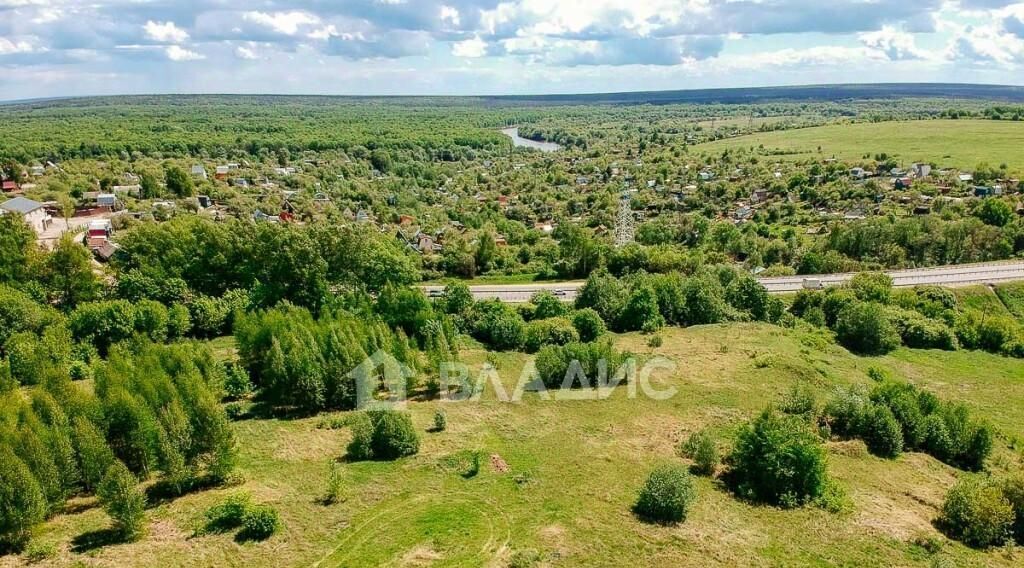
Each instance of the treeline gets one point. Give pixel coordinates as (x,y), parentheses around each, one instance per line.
(166,127)
(870,317)
(154,411)
(313,363)
(273,262)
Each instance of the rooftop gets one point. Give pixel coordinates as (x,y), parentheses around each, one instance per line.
(21,205)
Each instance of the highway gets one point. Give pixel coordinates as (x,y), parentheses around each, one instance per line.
(949,276)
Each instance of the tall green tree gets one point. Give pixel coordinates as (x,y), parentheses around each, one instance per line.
(17,248)
(178,182)
(69,273)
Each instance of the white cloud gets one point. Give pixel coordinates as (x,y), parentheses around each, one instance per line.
(475,47)
(166,32)
(895,44)
(243,52)
(8,47)
(287,23)
(178,53)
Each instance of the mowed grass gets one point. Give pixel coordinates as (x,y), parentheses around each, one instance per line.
(948,143)
(573,470)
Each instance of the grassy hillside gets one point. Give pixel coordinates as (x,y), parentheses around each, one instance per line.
(573,472)
(950,143)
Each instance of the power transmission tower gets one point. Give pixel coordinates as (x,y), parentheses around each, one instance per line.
(625,229)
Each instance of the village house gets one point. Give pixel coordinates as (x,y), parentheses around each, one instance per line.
(10,186)
(33,212)
(199,171)
(37,170)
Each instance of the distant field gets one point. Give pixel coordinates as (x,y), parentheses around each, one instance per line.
(949,143)
(574,469)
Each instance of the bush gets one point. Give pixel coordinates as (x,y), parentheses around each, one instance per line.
(935,437)
(382,435)
(581,363)
(335,484)
(800,401)
(844,410)
(589,325)
(655,341)
(548,305)
(237,384)
(872,287)
(440,421)
(122,500)
(360,448)
(666,496)
(865,328)
(22,503)
(977,513)
(228,514)
(882,433)
(778,460)
(554,331)
(700,447)
(499,326)
(260,522)
(641,312)
(920,332)
(1013,491)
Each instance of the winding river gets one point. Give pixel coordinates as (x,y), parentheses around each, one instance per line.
(518,140)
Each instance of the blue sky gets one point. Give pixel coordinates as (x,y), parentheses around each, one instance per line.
(463,47)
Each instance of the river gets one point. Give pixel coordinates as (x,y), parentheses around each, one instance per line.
(518,140)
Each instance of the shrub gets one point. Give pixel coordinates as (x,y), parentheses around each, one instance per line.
(778,460)
(655,341)
(382,435)
(393,435)
(882,433)
(38,551)
(228,514)
(499,326)
(440,421)
(589,325)
(548,305)
(865,328)
(844,411)
(800,401)
(237,384)
(977,513)
(335,484)
(700,447)
(641,312)
(666,496)
(582,363)
(361,446)
(22,503)
(1013,491)
(260,522)
(122,500)
(554,331)
(935,437)
(872,287)
(920,332)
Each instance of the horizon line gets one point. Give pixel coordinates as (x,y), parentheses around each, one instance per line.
(515,96)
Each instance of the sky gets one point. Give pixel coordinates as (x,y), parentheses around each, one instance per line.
(54,48)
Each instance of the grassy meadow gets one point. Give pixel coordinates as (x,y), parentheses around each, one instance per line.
(949,143)
(557,479)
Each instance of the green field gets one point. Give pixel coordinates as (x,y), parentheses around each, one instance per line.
(949,143)
(573,471)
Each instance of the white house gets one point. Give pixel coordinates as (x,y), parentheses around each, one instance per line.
(32,211)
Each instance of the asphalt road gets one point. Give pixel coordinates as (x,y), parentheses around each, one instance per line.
(949,276)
